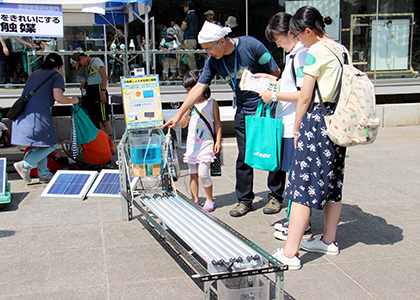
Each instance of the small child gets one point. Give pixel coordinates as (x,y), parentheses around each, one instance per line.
(200,145)
(170,42)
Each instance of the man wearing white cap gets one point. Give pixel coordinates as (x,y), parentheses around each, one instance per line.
(229,57)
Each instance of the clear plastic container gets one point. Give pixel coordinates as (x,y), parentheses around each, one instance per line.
(259,291)
(140,147)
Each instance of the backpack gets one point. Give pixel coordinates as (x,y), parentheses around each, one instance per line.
(354,121)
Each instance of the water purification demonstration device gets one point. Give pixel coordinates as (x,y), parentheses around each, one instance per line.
(215,251)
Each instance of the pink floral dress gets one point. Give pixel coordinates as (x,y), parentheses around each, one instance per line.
(200,145)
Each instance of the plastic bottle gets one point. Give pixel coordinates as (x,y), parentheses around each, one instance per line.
(131,45)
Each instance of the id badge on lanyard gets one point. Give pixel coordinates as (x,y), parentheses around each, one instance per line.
(233,80)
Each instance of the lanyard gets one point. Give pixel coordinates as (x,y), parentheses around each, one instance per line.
(236,67)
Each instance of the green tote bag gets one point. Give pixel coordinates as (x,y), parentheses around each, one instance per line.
(263,140)
(86,131)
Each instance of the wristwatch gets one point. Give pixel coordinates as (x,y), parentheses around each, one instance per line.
(103,90)
(273,97)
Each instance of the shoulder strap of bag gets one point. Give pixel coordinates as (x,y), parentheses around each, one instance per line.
(292,57)
(345,61)
(26,98)
(341,56)
(206,122)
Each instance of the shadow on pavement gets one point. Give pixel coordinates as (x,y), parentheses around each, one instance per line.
(7,233)
(17,198)
(356,226)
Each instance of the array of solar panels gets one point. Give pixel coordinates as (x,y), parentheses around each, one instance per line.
(76,184)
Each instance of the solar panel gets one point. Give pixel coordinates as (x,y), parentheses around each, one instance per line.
(70,184)
(107,184)
(3,175)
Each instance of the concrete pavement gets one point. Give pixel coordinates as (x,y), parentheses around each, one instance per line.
(72,249)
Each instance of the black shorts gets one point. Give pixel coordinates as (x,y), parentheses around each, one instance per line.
(96,110)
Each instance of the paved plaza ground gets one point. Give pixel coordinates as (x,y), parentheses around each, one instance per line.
(72,249)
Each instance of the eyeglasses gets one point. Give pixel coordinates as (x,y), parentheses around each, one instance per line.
(296,35)
(208,50)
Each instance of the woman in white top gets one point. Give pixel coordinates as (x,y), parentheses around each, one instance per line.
(291,80)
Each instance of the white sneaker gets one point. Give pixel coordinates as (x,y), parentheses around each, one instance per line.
(282,235)
(293,263)
(22,171)
(317,245)
(282,226)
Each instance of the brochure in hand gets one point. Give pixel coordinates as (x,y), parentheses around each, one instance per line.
(257,84)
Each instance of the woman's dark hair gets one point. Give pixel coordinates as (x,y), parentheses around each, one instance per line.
(278,24)
(308,17)
(190,80)
(51,61)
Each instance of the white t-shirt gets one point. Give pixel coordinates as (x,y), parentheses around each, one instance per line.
(287,110)
(2,128)
(94,76)
(180,31)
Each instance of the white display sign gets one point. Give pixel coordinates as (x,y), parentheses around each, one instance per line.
(393,44)
(31,20)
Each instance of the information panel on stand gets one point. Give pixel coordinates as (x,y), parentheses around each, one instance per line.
(142,103)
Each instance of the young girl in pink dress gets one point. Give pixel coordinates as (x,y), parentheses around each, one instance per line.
(200,145)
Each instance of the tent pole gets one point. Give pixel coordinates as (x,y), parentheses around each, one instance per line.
(146,30)
(105,50)
(126,68)
(154,44)
(246,17)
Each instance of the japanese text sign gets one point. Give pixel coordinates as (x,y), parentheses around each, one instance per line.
(142,104)
(31,20)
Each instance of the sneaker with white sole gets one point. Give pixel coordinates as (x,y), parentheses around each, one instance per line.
(282,235)
(293,263)
(318,245)
(45,179)
(22,171)
(282,226)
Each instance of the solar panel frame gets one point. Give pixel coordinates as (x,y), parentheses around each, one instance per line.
(93,192)
(3,175)
(70,184)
